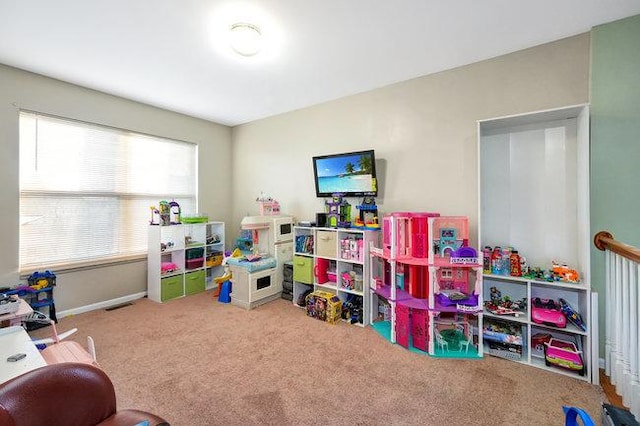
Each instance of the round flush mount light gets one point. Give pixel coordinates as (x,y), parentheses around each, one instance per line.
(245,38)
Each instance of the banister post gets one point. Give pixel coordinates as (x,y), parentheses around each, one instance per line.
(598,239)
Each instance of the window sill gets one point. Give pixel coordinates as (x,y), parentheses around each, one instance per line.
(63,268)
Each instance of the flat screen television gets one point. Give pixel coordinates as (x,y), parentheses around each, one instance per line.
(352,174)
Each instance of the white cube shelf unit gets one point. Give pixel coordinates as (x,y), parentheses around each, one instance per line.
(183,259)
(333,260)
(534,197)
(532,351)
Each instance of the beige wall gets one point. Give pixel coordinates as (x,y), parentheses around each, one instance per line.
(423,131)
(20,89)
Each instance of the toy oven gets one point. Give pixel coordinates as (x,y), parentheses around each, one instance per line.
(282,229)
(250,289)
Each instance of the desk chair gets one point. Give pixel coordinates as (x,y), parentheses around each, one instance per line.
(66,394)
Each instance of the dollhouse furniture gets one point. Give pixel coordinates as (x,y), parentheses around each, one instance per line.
(442,344)
(66,394)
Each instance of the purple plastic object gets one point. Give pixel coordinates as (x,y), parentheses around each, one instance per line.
(465,252)
(471,300)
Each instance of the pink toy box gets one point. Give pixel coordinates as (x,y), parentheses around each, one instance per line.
(352,249)
(195,263)
(324,306)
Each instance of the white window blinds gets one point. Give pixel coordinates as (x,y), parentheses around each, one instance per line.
(86,190)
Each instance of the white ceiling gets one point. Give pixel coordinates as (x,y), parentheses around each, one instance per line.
(173,54)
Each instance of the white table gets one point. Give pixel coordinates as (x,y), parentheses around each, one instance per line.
(15,340)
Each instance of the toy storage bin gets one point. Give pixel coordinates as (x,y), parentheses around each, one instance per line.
(303,269)
(324,306)
(506,350)
(326,244)
(194,253)
(195,218)
(214,259)
(195,263)
(171,287)
(194,282)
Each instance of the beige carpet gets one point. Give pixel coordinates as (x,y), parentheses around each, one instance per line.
(195,361)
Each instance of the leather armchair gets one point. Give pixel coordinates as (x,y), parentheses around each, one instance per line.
(66,394)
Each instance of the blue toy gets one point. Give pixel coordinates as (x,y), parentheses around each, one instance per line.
(225,292)
(572,414)
(574,317)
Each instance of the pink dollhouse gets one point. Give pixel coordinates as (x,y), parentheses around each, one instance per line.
(427,280)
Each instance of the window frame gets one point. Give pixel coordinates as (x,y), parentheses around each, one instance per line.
(102,261)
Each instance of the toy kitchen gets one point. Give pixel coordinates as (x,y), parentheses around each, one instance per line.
(257,279)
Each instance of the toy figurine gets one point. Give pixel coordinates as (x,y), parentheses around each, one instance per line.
(338,212)
(496,295)
(155,216)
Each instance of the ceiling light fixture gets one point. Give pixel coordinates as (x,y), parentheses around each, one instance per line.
(246,39)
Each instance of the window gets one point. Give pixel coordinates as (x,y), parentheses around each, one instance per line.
(86,191)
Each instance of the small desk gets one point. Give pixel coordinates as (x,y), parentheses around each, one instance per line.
(15,318)
(15,340)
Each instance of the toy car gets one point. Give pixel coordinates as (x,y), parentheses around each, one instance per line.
(564,273)
(563,354)
(538,341)
(573,317)
(547,311)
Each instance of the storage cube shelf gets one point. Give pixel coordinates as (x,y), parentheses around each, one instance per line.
(530,349)
(183,259)
(333,260)
(532,170)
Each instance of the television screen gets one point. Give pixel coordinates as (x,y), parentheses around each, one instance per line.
(352,174)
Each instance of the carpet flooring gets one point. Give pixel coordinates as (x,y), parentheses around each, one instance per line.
(195,361)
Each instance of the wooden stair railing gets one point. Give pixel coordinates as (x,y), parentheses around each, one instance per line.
(622,317)
(603,240)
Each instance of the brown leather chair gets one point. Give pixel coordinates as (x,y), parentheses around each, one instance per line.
(65,394)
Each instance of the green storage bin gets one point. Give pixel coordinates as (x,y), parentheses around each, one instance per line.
(303,269)
(195,253)
(194,282)
(171,287)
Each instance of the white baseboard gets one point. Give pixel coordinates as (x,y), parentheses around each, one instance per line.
(101,305)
